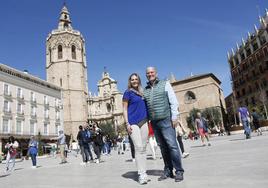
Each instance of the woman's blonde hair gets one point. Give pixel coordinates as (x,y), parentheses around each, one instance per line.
(139,79)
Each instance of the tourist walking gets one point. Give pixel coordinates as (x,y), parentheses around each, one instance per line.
(202,127)
(11,147)
(135,115)
(83,141)
(162,107)
(256,121)
(244,120)
(33,150)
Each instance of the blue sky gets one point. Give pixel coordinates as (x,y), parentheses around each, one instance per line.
(179,37)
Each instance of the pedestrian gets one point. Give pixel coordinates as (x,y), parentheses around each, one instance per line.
(244,120)
(32,149)
(202,128)
(162,107)
(11,147)
(152,140)
(61,139)
(119,143)
(180,132)
(97,141)
(256,121)
(83,144)
(135,116)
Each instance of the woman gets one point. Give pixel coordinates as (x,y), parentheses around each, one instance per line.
(135,115)
(33,150)
(97,141)
(11,147)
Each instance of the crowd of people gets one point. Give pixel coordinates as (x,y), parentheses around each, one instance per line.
(151,116)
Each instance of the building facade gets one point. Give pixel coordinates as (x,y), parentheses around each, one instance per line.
(66,67)
(199,92)
(249,68)
(28,106)
(106,107)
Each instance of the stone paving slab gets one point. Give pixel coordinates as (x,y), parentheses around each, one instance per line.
(231,162)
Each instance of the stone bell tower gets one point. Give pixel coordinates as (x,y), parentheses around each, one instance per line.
(66,67)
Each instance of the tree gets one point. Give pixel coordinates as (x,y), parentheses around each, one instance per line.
(108,129)
(213,115)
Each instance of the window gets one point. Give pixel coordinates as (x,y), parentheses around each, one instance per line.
(60,52)
(46,113)
(243,91)
(6,106)
(45,129)
(242,55)
(57,115)
(33,111)
(73,52)
(189,97)
(33,97)
(5,127)
(45,100)
(19,127)
(32,127)
(19,107)
(19,92)
(57,128)
(6,89)
(49,51)
(60,82)
(108,107)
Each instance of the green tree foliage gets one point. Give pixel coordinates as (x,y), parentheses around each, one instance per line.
(213,115)
(107,129)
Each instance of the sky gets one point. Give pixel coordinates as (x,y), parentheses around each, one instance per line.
(178,37)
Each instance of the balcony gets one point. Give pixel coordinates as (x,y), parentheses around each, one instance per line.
(33,101)
(33,115)
(20,98)
(20,114)
(7,112)
(8,95)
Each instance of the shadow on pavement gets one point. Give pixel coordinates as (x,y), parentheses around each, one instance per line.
(4,175)
(237,139)
(199,146)
(131,175)
(134,176)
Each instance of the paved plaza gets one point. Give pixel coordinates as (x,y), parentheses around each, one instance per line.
(231,162)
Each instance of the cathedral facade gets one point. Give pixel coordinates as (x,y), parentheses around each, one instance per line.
(106,106)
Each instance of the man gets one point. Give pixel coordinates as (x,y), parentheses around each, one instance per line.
(244,119)
(162,109)
(62,142)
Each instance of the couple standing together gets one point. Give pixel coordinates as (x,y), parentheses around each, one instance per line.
(156,103)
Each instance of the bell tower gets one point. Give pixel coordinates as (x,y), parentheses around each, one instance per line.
(66,67)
